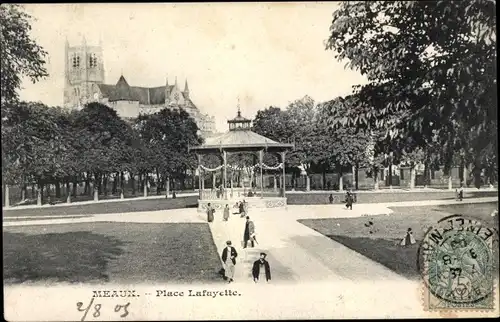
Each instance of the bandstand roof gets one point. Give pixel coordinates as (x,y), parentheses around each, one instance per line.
(240,139)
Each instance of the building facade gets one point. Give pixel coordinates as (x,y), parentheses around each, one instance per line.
(85,83)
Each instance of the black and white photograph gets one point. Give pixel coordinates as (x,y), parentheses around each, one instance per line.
(249,160)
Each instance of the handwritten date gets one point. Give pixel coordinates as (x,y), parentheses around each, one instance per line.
(96,309)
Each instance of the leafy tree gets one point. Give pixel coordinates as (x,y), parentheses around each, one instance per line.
(166,136)
(346,145)
(34,144)
(431,69)
(105,141)
(19,54)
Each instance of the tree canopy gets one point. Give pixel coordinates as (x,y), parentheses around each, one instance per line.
(431,69)
(20,55)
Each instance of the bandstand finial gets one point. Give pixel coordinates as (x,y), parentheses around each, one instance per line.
(239,110)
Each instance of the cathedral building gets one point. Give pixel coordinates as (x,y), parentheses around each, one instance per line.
(84,83)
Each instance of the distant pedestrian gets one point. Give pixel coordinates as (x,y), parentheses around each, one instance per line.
(461,192)
(349,199)
(408,239)
(261,269)
(249,233)
(229,255)
(330,198)
(210,213)
(243,208)
(226,213)
(494,214)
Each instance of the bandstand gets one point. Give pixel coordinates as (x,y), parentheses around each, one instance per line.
(241,139)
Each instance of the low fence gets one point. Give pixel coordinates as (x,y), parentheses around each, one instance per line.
(317,198)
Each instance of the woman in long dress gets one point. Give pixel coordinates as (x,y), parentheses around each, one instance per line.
(210,213)
(226,213)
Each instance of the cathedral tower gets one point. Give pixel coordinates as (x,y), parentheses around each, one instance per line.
(84,69)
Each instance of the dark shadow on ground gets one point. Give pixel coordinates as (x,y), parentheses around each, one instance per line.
(72,257)
(402,260)
(110,252)
(378,237)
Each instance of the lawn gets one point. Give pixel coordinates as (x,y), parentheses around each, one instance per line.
(110,252)
(107,207)
(381,241)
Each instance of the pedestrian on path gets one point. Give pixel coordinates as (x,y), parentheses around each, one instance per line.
(331,198)
(229,255)
(249,233)
(261,269)
(243,208)
(226,213)
(210,213)
(408,239)
(461,192)
(349,199)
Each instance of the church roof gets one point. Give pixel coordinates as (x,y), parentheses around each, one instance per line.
(145,95)
(241,140)
(123,91)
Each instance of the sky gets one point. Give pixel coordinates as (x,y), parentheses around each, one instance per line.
(267,54)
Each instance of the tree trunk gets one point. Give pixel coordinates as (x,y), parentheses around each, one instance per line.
(58,189)
(158,182)
(115,183)
(390,175)
(145,185)
(323,178)
(7,196)
(356,177)
(293,181)
(68,191)
(23,191)
(75,186)
(308,182)
(375,178)
(183,181)
(214,180)
(96,187)
(33,190)
(86,190)
(132,183)
(105,184)
(39,197)
(450,182)
(426,174)
(193,179)
(341,181)
(413,173)
(167,187)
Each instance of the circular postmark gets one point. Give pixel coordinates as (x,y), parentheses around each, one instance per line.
(456,260)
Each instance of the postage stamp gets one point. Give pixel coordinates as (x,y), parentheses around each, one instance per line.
(458,261)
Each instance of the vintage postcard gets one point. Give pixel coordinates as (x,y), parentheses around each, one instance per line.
(224,161)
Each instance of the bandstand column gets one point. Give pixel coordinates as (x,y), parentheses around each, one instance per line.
(225,174)
(199,178)
(261,158)
(283,180)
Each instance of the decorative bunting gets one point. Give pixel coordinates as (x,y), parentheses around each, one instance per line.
(211,170)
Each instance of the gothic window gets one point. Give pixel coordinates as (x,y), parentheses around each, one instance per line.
(176,96)
(92,61)
(76,61)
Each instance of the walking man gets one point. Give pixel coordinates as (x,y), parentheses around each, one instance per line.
(249,233)
(261,269)
(229,255)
